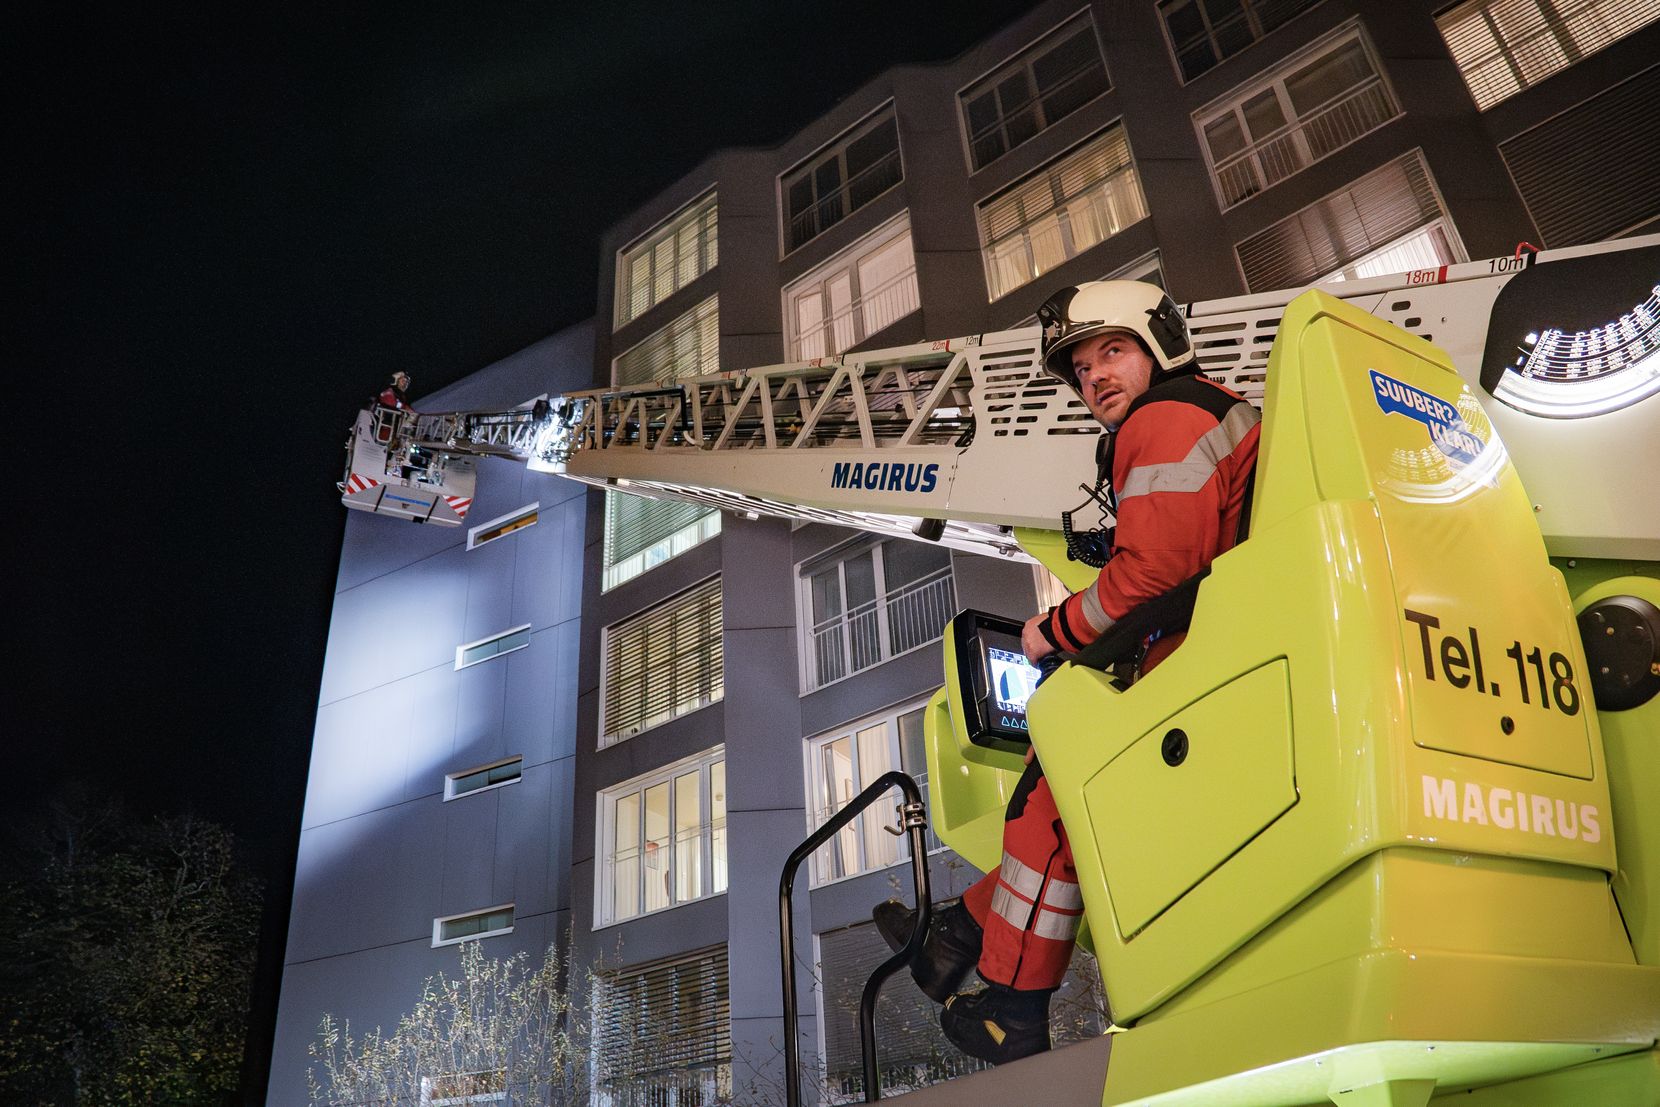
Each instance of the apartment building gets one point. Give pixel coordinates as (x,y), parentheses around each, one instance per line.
(734,681)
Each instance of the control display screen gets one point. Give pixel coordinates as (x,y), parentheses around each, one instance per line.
(1012,678)
(994,678)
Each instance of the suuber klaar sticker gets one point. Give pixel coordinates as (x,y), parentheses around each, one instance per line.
(1447,429)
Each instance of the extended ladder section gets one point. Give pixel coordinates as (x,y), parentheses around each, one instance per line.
(971,431)
(420,467)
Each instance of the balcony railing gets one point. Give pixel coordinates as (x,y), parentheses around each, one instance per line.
(1015,123)
(1065,232)
(882,628)
(853,194)
(873,311)
(1297,145)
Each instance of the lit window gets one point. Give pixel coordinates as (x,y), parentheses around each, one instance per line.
(842,765)
(1057,213)
(642,533)
(1203,32)
(484,777)
(840,179)
(686,346)
(503,526)
(1425,248)
(662,663)
(1032,91)
(1382,211)
(1307,108)
(1504,46)
(861,608)
(494,646)
(488,923)
(666,260)
(854,295)
(663,1033)
(663,839)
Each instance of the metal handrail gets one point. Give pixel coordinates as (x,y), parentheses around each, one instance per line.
(915,820)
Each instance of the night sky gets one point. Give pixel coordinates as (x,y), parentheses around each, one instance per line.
(227,227)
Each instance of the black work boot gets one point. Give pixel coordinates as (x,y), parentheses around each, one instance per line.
(998,1024)
(949,952)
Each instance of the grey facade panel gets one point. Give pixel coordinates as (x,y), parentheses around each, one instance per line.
(381,853)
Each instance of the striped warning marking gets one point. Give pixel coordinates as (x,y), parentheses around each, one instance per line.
(459,504)
(357,482)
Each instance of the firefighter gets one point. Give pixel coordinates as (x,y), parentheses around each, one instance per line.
(396,394)
(1180,454)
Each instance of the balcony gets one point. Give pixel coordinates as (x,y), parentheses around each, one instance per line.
(870,312)
(1304,141)
(879,629)
(845,199)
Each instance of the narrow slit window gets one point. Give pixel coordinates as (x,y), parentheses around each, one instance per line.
(469,781)
(487,923)
(494,646)
(503,526)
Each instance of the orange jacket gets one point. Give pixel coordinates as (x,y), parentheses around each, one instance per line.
(1180,466)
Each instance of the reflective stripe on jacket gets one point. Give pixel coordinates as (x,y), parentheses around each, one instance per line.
(1180,468)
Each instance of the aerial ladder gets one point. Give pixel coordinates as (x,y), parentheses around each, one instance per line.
(422,467)
(1385,829)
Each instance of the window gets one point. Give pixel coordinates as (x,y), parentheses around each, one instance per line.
(663,663)
(642,533)
(1378,212)
(687,346)
(1203,32)
(502,526)
(663,1034)
(666,260)
(1305,110)
(1078,201)
(487,923)
(457,1089)
(838,181)
(1504,46)
(854,295)
(494,646)
(842,765)
(1032,91)
(1425,248)
(482,778)
(871,604)
(663,838)
(1589,173)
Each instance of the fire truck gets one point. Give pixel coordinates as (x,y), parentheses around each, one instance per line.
(1386,828)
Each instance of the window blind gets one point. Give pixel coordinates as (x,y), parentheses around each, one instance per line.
(662,1025)
(668,259)
(1504,46)
(635,523)
(1589,173)
(1068,178)
(664,662)
(687,346)
(1382,206)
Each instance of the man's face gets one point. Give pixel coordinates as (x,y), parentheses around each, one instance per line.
(1112,371)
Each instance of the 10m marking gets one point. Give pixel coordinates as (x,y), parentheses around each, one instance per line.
(1461,665)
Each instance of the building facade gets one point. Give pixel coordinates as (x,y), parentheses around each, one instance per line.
(729,682)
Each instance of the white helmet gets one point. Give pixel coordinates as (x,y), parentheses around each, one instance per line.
(1144,310)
